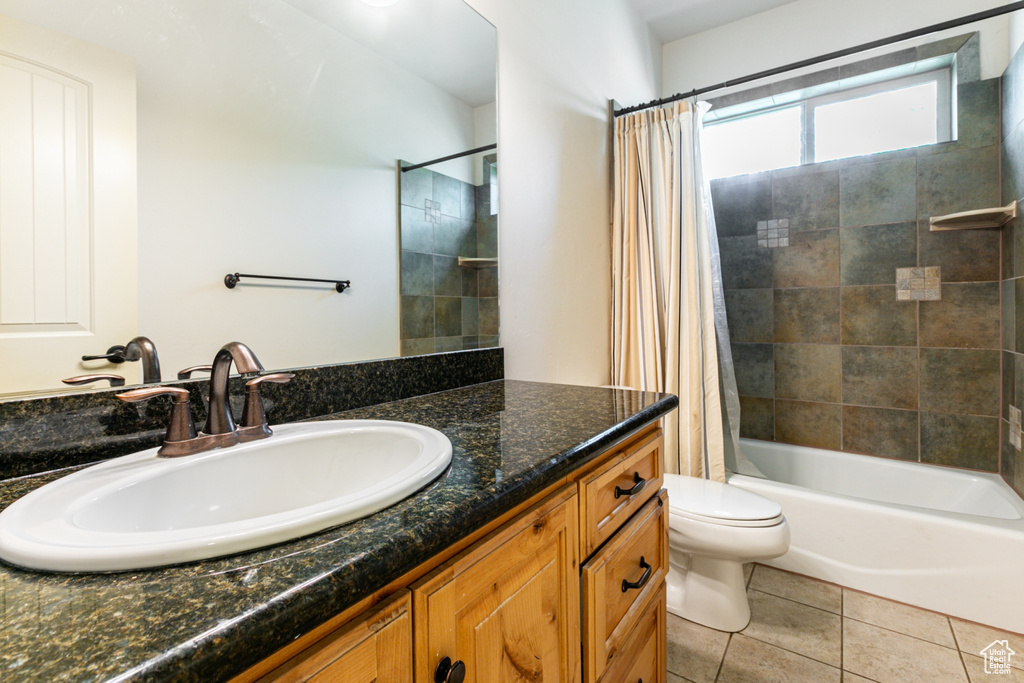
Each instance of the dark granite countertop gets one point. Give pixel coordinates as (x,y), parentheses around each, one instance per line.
(210,620)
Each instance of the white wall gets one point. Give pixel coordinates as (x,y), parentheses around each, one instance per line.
(558,64)
(1016,32)
(291,175)
(807,28)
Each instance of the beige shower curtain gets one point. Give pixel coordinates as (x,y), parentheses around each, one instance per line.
(663,322)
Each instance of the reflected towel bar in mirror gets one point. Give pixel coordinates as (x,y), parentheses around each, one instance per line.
(231,279)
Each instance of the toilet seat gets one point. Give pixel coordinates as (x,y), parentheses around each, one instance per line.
(713,502)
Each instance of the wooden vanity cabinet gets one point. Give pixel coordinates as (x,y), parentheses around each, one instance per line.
(508,608)
(507,602)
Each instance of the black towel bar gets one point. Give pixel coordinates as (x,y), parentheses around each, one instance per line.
(231,279)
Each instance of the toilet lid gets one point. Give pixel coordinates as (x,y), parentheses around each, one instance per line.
(712,501)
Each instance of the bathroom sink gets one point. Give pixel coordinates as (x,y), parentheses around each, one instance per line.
(141,510)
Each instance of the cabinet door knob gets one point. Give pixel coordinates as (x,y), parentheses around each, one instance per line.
(446,672)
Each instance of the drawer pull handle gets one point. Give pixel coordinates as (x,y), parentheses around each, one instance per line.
(446,672)
(626,585)
(638,484)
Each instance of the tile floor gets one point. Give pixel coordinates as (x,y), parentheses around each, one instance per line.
(803,630)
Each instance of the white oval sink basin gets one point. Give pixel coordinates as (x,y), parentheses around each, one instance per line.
(141,510)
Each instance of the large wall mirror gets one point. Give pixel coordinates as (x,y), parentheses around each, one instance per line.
(149,148)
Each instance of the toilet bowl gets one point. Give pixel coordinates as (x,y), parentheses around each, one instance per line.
(714,529)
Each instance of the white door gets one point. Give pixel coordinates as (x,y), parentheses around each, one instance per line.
(68,281)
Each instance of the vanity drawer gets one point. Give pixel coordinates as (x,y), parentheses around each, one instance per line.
(601,510)
(643,658)
(621,581)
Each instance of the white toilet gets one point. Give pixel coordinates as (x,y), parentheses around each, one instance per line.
(714,529)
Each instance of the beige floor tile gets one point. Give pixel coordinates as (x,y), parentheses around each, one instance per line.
(748,569)
(694,651)
(854,678)
(796,627)
(751,661)
(672,678)
(976,672)
(972,639)
(890,657)
(898,617)
(800,588)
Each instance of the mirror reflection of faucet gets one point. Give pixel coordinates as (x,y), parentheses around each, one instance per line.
(115,380)
(220,429)
(138,349)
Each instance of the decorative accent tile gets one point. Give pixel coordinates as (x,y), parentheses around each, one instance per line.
(432,210)
(919,284)
(773,233)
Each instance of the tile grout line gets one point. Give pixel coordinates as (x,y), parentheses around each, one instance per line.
(792,652)
(721,663)
(963,663)
(901,633)
(798,602)
(842,632)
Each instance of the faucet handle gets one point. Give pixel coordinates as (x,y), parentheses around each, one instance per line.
(187,372)
(115,354)
(275,377)
(115,380)
(182,429)
(253,414)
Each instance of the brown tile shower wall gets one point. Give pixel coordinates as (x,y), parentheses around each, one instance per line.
(1013,266)
(826,355)
(446,307)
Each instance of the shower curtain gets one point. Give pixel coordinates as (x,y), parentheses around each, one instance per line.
(669,330)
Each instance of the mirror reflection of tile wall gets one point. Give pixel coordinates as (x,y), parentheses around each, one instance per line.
(445,306)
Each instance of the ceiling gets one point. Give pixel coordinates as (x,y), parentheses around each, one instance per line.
(430,38)
(674,19)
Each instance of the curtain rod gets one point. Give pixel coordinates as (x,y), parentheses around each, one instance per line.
(952,23)
(460,154)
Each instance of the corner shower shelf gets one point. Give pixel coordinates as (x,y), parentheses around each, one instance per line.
(979,218)
(478,262)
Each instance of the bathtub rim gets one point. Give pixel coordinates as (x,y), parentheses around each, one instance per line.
(1011,525)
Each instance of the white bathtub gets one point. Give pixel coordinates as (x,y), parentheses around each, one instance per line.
(944,539)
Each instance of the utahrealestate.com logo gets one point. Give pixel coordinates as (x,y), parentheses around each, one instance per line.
(997,657)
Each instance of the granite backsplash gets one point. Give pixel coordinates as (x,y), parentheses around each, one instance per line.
(53,432)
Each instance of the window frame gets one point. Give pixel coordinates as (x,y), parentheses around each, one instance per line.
(946,104)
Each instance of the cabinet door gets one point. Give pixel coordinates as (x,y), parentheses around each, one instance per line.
(508,608)
(374,648)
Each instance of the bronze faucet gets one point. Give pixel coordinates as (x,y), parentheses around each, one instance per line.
(219,419)
(220,429)
(139,348)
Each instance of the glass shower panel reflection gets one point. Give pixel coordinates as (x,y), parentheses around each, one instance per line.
(449,257)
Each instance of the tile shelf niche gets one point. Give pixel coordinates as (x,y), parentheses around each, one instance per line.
(973,220)
(478,263)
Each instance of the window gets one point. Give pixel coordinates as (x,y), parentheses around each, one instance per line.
(751,144)
(894,114)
